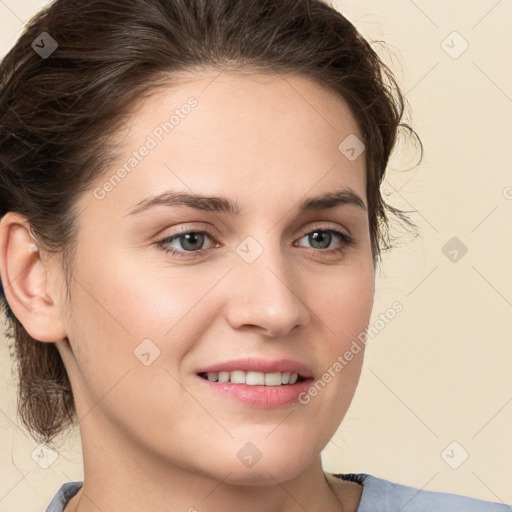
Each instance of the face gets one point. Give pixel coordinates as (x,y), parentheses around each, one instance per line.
(163,292)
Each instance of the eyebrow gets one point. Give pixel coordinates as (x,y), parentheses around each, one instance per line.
(345,196)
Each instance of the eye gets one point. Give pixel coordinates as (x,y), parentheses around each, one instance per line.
(188,241)
(321,239)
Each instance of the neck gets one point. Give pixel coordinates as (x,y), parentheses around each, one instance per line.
(120,477)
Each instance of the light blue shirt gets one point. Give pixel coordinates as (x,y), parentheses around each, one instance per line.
(378,495)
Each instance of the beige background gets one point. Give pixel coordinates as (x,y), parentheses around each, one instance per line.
(440,371)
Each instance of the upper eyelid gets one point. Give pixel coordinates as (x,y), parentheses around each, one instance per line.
(347,240)
(325,227)
(212,232)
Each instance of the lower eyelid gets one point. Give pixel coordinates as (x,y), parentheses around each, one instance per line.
(345,240)
(169,239)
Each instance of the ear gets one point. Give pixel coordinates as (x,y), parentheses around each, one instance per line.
(34,299)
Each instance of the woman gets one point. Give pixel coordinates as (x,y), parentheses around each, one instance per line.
(191,223)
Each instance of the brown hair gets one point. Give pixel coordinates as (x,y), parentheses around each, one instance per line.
(56,110)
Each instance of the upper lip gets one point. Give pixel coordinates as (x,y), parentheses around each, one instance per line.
(260,365)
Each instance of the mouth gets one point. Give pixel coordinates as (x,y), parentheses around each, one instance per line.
(257,382)
(253,378)
(256,389)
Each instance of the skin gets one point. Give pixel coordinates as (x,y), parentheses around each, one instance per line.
(153,437)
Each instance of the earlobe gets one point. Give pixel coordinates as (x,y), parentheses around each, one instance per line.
(24,277)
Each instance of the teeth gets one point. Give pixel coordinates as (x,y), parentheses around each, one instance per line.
(253,378)
(273,379)
(237,377)
(223,377)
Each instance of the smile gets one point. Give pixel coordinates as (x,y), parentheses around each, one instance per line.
(252,378)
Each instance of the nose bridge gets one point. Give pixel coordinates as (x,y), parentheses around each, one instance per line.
(267,293)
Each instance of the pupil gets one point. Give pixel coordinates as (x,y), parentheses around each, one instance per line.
(320,236)
(191,238)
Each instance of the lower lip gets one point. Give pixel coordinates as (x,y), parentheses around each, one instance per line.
(264,397)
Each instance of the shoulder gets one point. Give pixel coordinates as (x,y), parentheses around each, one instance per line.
(380,495)
(64,494)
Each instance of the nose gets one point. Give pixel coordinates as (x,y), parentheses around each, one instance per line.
(266,295)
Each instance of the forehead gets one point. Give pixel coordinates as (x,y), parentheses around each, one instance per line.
(214,131)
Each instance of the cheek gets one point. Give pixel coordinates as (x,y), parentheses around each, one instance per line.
(130,314)
(343,307)
(119,315)
(141,298)
(343,301)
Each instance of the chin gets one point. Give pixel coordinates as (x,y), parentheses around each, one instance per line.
(266,465)
(264,474)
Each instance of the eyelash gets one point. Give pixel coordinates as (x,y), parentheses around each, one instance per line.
(346,242)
